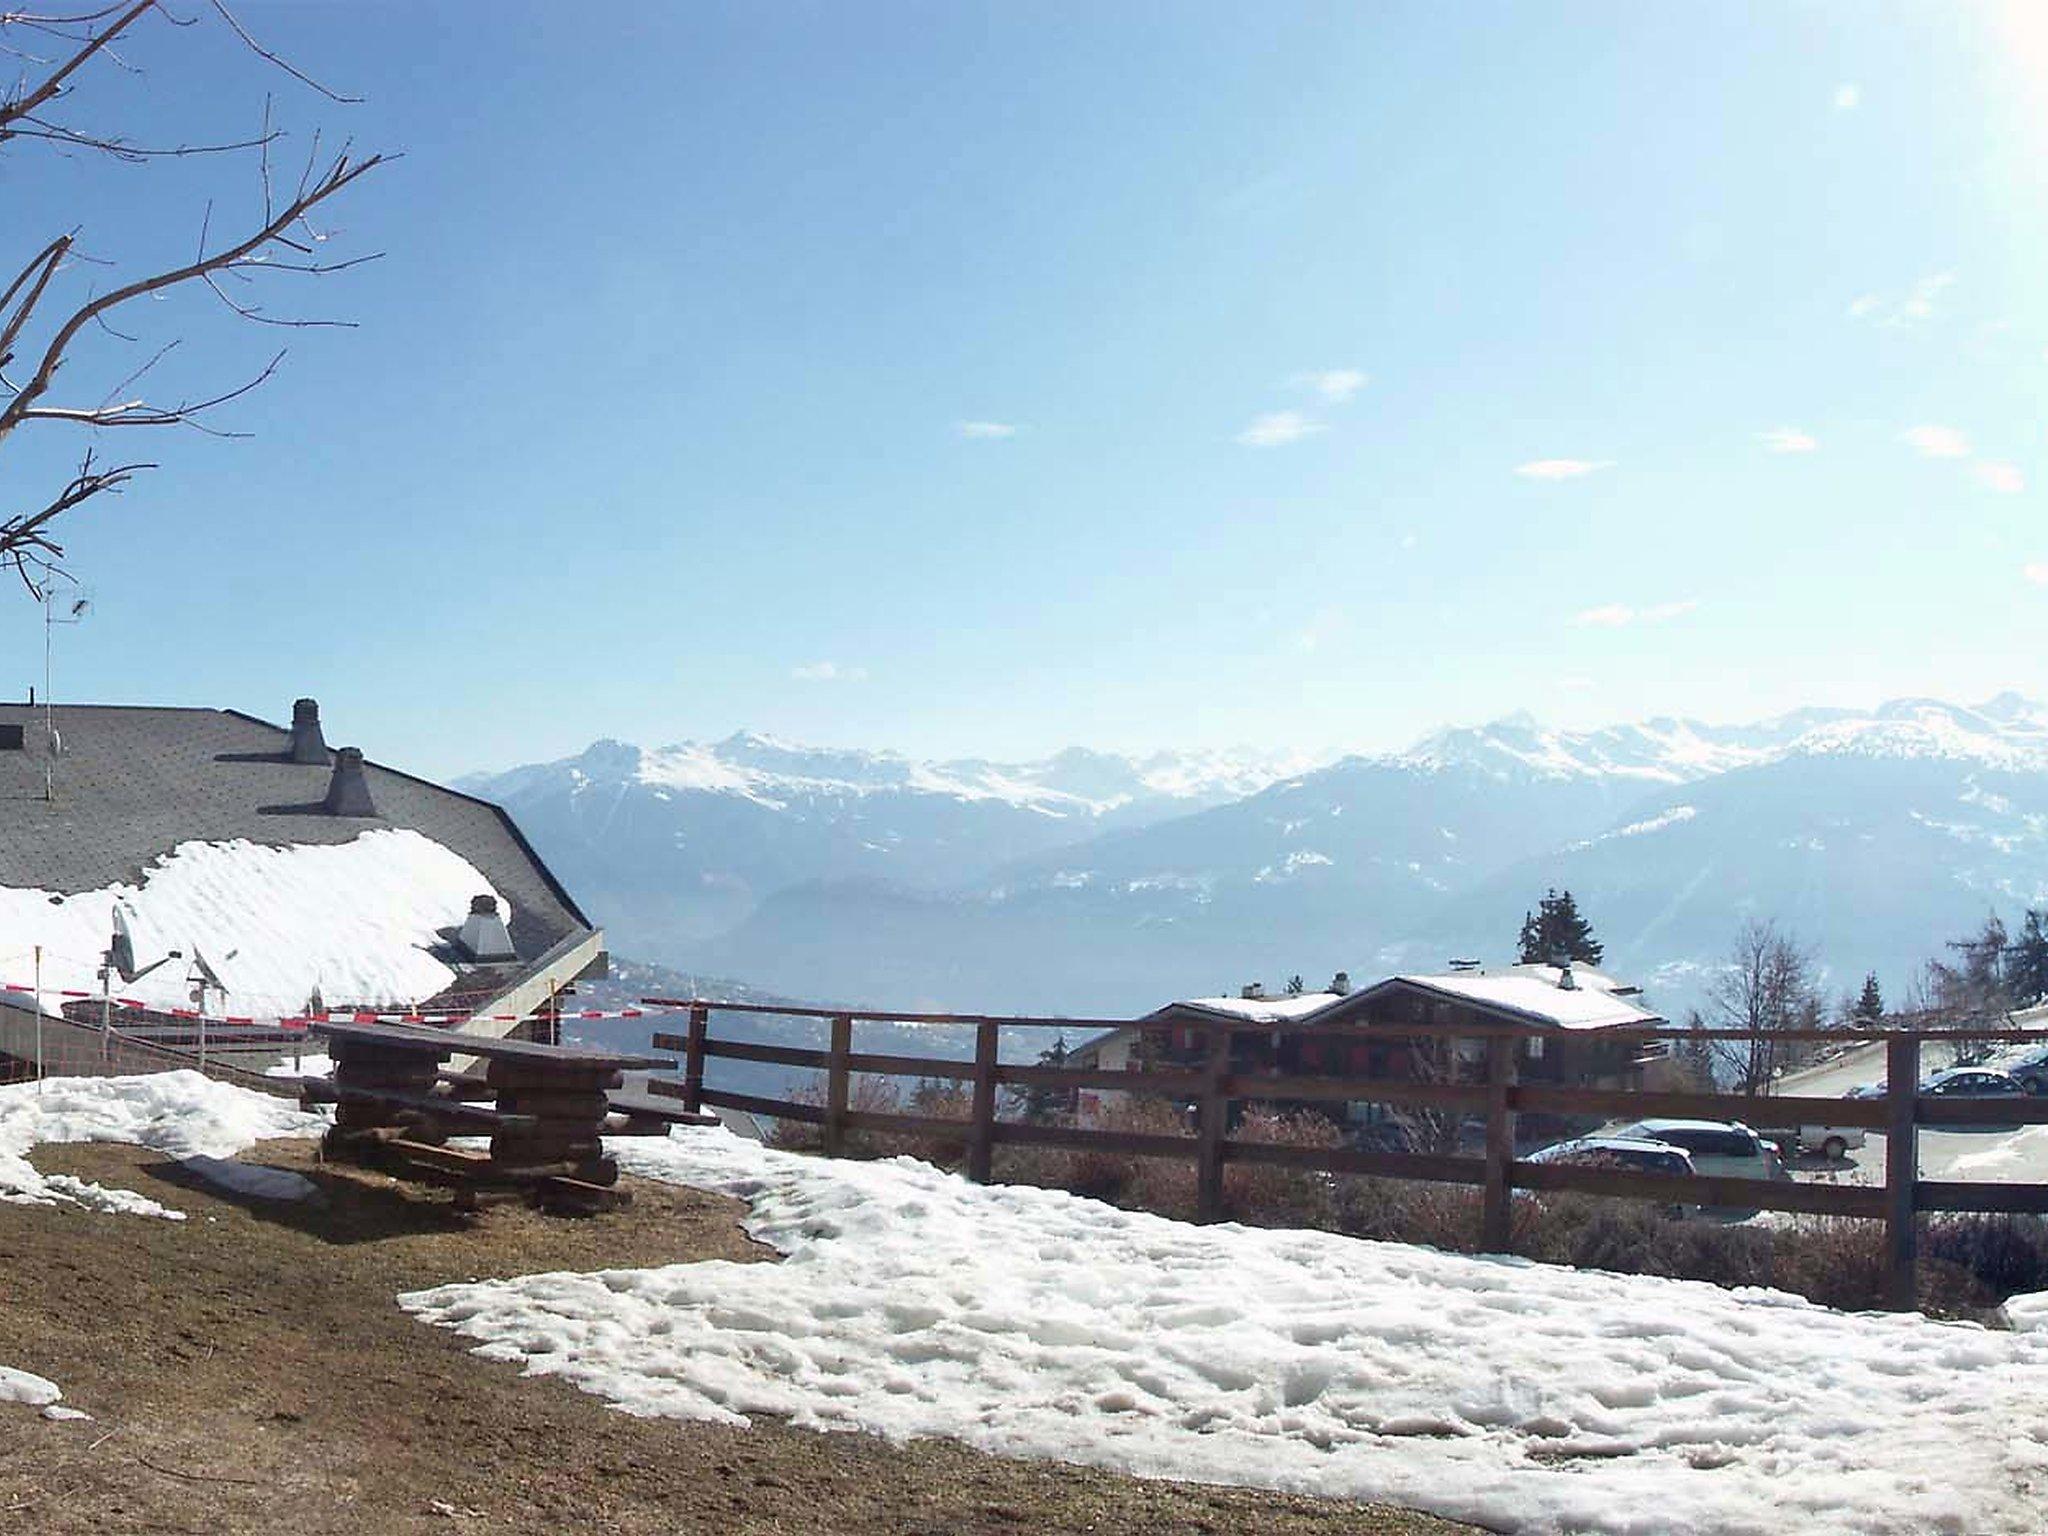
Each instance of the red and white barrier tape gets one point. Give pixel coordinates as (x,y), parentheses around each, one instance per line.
(297,1022)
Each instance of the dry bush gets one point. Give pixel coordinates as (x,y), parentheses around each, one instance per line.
(1272,1194)
(1159,1184)
(933,1099)
(2005,1254)
(1442,1216)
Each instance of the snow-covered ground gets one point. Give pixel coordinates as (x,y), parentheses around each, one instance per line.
(1521,1396)
(179,1113)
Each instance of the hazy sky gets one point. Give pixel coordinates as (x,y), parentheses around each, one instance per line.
(987,378)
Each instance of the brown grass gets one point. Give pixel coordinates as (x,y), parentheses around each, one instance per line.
(249,1371)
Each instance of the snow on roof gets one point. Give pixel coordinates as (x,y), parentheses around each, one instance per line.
(1532,991)
(355,919)
(1266,1010)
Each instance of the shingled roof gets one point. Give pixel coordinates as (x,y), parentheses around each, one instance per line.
(133,784)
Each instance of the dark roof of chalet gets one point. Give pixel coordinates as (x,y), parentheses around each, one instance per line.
(135,782)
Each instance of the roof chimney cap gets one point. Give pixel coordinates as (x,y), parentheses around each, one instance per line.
(348,791)
(1566,981)
(1253,989)
(308,745)
(1341,983)
(484,934)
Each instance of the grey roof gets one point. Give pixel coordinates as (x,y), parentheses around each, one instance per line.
(134,782)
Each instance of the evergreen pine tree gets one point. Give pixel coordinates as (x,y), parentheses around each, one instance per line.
(1044,1103)
(1556,930)
(2027,961)
(1870,1004)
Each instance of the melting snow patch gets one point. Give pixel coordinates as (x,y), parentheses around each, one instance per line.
(1522,1396)
(21,1387)
(179,1113)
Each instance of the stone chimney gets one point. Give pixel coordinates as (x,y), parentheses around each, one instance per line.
(348,792)
(483,932)
(1253,990)
(308,745)
(1566,981)
(1341,984)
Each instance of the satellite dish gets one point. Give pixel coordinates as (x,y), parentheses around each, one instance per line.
(122,951)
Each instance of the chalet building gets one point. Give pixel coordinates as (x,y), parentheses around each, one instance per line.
(1576,1027)
(157,863)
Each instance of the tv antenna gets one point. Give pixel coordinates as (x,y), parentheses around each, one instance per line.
(67,607)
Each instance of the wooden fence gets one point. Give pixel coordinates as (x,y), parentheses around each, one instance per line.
(1213,1086)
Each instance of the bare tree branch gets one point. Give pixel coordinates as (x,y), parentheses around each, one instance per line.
(25,543)
(285,239)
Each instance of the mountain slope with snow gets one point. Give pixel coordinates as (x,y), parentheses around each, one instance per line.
(1088,882)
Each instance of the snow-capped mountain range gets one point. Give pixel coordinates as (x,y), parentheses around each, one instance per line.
(1092,880)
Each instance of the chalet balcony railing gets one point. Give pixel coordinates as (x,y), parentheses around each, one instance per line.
(1213,1086)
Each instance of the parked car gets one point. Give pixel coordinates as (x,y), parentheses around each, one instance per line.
(2027,1065)
(1971,1083)
(1626,1153)
(1720,1149)
(1618,1152)
(1832,1142)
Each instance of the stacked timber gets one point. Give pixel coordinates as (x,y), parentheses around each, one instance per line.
(390,1072)
(568,1105)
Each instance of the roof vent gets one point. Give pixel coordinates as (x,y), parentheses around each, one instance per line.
(483,931)
(1341,983)
(1566,981)
(308,745)
(1458,967)
(1253,989)
(348,792)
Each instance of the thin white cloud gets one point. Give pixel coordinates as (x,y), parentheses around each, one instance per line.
(1788,440)
(1935,442)
(1621,615)
(1997,475)
(828,672)
(1561,469)
(1336,385)
(1916,304)
(985,430)
(1277,429)
(1326,625)
(1848,96)
(1409,541)
(2036,571)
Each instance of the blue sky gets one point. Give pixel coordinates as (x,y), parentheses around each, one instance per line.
(984,379)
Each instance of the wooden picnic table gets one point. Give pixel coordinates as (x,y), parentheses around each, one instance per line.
(546,1124)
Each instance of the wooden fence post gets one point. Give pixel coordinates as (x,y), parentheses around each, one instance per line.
(1901,1169)
(693,1059)
(981,1131)
(1500,1144)
(1209,1128)
(836,1084)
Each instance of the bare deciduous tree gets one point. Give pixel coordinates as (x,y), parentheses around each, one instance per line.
(41,327)
(1767,986)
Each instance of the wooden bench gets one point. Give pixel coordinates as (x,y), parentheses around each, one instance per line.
(547,1124)
(646,1114)
(433,1106)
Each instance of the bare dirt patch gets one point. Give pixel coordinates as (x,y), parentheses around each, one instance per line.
(249,1371)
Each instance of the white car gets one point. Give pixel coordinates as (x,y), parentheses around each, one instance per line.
(1833,1142)
(1720,1149)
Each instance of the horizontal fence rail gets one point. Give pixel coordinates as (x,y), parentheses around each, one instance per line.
(1496,1096)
